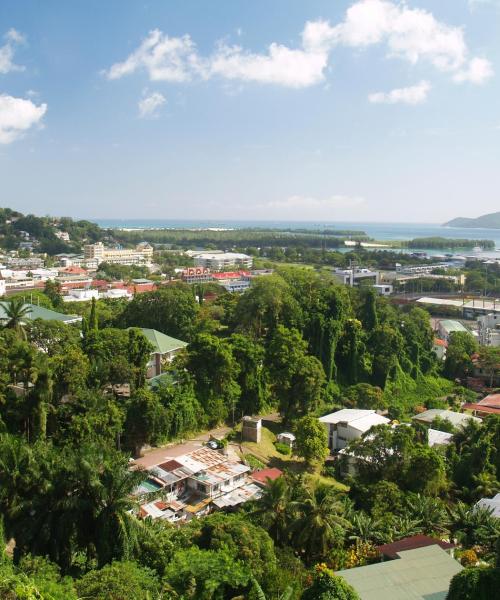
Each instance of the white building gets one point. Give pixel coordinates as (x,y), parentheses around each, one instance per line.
(349,424)
(492,504)
(141,255)
(81,295)
(488,327)
(219,261)
(455,418)
(356,275)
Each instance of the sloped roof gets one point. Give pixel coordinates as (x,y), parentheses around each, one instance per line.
(39,312)
(361,420)
(456,419)
(492,503)
(419,574)
(411,543)
(162,343)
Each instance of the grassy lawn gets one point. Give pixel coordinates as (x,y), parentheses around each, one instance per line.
(266,452)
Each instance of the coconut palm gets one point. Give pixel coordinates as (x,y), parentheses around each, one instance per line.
(473,525)
(320,523)
(274,509)
(15,313)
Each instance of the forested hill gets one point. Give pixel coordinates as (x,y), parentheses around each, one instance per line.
(490,221)
(45,231)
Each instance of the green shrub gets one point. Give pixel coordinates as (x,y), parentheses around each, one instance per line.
(283,448)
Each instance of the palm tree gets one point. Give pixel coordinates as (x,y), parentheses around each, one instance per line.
(473,525)
(274,508)
(320,522)
(15,313)
(403,527)
(365,529)
(486,485)
(429,512)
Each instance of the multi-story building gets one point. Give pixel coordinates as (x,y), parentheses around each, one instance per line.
(220,261)
(488,328)
(141,255)
(356,275)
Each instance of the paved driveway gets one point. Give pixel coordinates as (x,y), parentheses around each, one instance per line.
(158,455)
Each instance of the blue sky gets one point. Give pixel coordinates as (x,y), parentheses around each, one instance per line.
(271,109)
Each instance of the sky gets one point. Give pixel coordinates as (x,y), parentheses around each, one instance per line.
(368,110)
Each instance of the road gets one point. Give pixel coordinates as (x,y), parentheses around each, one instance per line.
(156,456)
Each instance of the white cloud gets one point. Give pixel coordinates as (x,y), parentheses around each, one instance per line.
(17,115)
(164,58)
(477,71)
(416,94)
(414,35)
(150,104)
(12,39)
(281,65)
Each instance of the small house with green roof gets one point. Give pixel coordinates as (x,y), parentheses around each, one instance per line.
(40,312)
(164,350)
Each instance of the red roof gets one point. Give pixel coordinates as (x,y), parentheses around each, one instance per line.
(411,543)
(73,270)
(482,408)
(493,400)
(264,474)
(170,465)
(440,342)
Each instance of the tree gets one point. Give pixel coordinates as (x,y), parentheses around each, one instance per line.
(328,586)
(273,509)
(214,370)
(368,315)
(119,581)
(146,420)
(319,522)
(93,324)
(489,361)
(351,353)
(52,290)
(268,303)
(475,583)
(139,352)
(206,574)
(386,345)
(249,356)
(364,395)
(171,310)
(16,312)
(461,347)
(297,379)
(311,441)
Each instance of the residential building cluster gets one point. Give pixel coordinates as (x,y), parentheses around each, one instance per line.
(194,484)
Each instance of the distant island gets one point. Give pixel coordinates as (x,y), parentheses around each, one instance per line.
(489,221)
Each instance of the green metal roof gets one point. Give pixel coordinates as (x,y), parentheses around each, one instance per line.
(452,326)
(420,574)
(162,343)
(39,312)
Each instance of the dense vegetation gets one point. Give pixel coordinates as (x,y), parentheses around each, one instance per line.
(43,230)
(75,404)
(448,243)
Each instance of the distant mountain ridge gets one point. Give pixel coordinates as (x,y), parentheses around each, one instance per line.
(489,221)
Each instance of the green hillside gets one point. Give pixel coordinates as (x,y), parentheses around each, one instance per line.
(490,221)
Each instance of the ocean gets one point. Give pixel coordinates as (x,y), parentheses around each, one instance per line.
(377,231)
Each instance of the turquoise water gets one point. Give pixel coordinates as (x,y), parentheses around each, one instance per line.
(378,231)
(149,486)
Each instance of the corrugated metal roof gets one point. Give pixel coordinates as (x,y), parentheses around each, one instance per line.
(419,574)
(162,343)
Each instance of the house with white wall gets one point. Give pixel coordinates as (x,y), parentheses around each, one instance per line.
(348,424)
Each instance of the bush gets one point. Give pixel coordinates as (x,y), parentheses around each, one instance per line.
(253,462)
(283,448)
